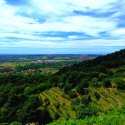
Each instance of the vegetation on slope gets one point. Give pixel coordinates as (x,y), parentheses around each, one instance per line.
(115,117)
(84,90)
(21,102)
(57,103)
(94,83)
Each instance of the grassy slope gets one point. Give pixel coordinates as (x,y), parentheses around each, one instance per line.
(57,103)
(59,106)
(113,118)
(110,98)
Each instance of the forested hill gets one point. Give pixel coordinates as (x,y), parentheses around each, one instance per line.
(79,91)
(108,61)
(90,68)
(94,86)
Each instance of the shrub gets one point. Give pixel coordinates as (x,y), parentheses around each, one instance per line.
(107,83)
(102,76)
(86,100)
(94,82)
(120,83)
(87,111)
(97,95)
(72,93)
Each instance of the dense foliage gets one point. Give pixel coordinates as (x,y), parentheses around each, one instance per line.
(85,84)
(115,117)
(82,78)
(19,97)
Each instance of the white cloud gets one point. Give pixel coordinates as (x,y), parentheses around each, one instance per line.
(66,44)
(118,33)
(58,16)
(67,6)
(31,37)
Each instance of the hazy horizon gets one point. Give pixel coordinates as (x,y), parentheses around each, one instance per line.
(25,51)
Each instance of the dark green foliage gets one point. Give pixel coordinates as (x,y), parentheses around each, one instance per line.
(82,87)
(6,69)
(84,83)
(73,78)
(120,83)
(20,103)
(86,100)
(18,97)
(75,101)
(21,78)
(102,76)
(107,83)
(54,80)
(88,111)
(72,94)
(30,113)
(67,87)
(97,95)
(43,117)
(94,82)
(36,88)
(82,91)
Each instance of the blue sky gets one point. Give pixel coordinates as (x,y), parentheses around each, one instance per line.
(62,26)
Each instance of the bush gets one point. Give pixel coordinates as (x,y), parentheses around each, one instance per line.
(87,111)
(120,83)
(86,100)
(28,112)
(97,95)
(72,93)
(94,82)
(107,83)
(102,76)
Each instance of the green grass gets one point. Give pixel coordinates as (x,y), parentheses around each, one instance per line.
(115,117)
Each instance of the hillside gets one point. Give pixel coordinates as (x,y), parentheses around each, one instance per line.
(94,86)
(57,103)
(115,117)
(79,91)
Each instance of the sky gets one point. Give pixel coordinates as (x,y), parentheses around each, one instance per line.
(62,26)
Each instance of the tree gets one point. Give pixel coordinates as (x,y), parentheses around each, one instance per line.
(97,95)
(28,112)
(107,83)
(86,111)
(86,100)
(95,82)
(120,83)
(102,76)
